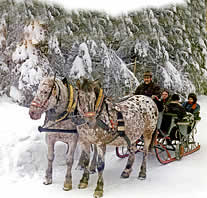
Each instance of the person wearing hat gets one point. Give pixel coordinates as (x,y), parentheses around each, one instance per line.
(148,87)
(191,105)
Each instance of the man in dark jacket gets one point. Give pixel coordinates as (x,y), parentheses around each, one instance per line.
(175,107)
(148,88)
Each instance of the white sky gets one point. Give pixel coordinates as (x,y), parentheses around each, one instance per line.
(113,7)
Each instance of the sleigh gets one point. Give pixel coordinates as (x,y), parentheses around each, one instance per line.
(174,141)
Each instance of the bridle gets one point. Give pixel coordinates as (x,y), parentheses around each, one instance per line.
(98,106)
(42,106)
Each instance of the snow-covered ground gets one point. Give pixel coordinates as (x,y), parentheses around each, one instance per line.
(23,162)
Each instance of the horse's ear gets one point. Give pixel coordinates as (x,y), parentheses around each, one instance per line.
(65,81)
(96,83)
(78,84)
(54,91)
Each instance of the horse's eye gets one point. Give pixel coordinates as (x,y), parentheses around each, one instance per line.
(44,92)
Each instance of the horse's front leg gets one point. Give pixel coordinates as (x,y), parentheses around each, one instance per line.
(100,167)
(94,160)
(69,162)
(128,169)
(92,168)
(86,159)
(50,158)
(80,165)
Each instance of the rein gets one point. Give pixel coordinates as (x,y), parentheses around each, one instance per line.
(42,129)
(39,105)
(118,127)
(71,106)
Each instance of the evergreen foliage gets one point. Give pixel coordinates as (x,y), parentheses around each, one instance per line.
(170,41)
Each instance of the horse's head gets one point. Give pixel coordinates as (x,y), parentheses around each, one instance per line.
(45,98)
(87,98)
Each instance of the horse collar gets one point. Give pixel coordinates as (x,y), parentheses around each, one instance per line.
(71,104)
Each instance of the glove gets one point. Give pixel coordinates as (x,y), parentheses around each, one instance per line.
(154,97)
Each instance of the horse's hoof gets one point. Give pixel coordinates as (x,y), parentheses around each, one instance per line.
(67,186)
(125,175)
(79,167)
(83,185)
(142,176)
(92,171)
(98,194)
(47,182)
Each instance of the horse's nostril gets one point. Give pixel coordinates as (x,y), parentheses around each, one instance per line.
(31,113)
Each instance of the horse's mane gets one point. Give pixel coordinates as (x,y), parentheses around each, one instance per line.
(88,85)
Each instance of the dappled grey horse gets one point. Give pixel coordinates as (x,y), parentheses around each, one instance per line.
(58,100)
(117,124)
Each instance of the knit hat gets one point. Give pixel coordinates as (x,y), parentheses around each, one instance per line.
(148,73)
(175,97)
(193,96)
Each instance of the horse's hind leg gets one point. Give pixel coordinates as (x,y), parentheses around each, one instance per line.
(128,169)
(69,162)
(147,141)
(50,158)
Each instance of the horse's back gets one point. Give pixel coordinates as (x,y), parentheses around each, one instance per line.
(139,105)
(140,114)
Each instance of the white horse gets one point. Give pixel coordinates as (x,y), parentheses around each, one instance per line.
(58,100)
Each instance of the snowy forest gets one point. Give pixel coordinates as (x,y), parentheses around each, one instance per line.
(39,39)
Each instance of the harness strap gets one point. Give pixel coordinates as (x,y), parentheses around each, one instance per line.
(121,128)
(59,93)
(98,105)
(71,105)
(99,100)
(41,129)
(36,104)
(120,132)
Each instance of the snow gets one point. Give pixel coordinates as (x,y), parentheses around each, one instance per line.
(30,66)
(114,7)
(23,162)
(23,152)
(82,65)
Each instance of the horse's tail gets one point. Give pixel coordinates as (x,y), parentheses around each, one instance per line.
(67,149)
(154,136)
